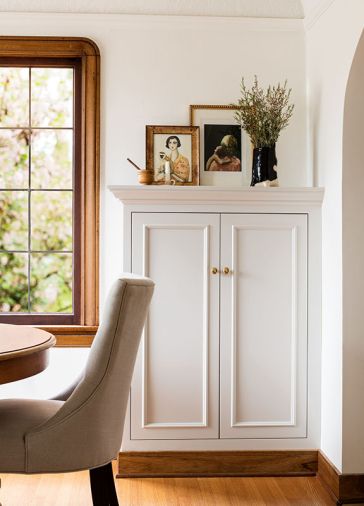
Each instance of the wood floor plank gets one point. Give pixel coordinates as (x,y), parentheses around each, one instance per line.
(72,489)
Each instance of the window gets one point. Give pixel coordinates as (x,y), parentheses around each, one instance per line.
(39,207)
(49,138)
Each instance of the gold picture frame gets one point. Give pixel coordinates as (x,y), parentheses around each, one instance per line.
(172,152)
(215,122)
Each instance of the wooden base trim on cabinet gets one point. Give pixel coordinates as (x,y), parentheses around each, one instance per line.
(219,463)
(345,488)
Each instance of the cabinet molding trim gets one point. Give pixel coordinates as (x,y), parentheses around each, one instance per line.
(146,424)
(291,422)
(213,463)
(200,195)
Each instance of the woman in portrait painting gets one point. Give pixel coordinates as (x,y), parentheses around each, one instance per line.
(224,157)
(180,170)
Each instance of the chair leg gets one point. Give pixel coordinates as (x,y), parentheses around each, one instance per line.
(103,486)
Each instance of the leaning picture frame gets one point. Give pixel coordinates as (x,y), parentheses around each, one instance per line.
(172,152)
(225,149)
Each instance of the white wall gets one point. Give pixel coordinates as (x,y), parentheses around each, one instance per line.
(331,44)
(152,68)
(65,366)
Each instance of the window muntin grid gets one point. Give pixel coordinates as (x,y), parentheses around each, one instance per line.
(43,185)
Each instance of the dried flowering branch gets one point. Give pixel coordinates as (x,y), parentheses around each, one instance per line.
(263,114)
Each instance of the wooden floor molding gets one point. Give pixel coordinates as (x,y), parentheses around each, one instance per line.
(219,463)
(73,489)
(345,488)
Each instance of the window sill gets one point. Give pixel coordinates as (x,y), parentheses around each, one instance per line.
(71,336)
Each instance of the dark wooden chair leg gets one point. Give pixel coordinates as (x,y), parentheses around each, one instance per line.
(113,498)
(103,486)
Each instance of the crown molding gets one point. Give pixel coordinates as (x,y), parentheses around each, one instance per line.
(12,20)
(291,9)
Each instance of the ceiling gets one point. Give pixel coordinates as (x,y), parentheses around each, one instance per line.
(293,9)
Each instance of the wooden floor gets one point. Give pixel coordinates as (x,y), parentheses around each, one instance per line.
(73,490)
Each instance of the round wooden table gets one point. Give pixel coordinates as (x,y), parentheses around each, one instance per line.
(23,351)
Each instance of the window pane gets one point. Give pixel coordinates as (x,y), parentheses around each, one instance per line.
(51,283)
(14,220)
(14,282)
(51,159)
(38,172)
(14,93)
(52,97)
(51,220)
(14,158)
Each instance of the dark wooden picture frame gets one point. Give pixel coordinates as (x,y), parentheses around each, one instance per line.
(172,152)
(216,122)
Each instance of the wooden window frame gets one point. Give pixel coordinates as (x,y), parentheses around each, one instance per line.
(88,53)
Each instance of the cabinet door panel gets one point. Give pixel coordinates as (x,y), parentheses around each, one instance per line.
(174,392)
(263,326)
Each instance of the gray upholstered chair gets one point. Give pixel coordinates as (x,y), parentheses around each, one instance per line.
(84,431)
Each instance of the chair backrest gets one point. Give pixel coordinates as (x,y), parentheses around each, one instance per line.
(87,430)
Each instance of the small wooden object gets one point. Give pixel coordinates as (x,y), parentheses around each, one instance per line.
(146,176)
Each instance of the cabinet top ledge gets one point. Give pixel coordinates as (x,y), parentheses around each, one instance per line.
(206,194)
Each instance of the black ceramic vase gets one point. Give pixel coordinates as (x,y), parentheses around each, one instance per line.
(264,161)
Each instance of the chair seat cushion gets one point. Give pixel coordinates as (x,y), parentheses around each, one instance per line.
(17,417)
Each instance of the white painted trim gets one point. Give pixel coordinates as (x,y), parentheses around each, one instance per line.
(233,319)
(74,18)
(295,326)
(233,444)
(205,331)
(291,9)
(205,378)
(201,195)
(315,14)
(145,339)
(294,337)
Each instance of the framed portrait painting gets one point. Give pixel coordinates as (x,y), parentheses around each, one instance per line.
(225,149)
(172,152)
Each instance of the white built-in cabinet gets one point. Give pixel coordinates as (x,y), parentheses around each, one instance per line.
(229,356)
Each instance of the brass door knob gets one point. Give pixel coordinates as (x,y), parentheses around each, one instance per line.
(214,270)
(226,270)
